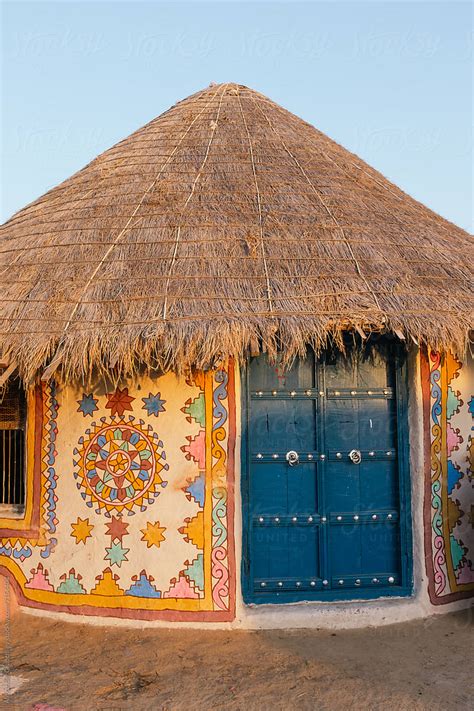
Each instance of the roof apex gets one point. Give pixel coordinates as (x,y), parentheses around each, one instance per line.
(224,223)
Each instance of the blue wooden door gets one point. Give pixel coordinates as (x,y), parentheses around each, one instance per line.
(325,494)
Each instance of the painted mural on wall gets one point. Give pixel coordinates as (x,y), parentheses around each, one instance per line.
(130,500)
(449,494)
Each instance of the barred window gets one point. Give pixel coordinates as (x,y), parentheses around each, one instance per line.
(12,445)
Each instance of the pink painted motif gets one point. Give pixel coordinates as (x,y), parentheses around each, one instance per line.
(182,588)
(220,591)
(39,580)
(439,561)
(196,449)
(453,439)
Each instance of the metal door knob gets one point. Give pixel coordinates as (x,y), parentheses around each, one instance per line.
(355,456)
(293,458)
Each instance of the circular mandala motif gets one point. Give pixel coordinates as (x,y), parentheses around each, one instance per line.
(119,465)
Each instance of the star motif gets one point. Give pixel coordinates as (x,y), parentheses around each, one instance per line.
(87,404)
(153,404)
(81,530)
(118,463)
(153,534)
(116,554)
(119,401)
(117,529)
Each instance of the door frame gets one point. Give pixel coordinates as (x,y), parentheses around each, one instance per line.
(250,596)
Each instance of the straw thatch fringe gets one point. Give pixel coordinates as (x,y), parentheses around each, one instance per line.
(225,226)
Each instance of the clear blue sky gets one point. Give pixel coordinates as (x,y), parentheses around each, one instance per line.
(390,81)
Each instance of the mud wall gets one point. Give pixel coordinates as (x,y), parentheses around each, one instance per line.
(130,510)
(130,500)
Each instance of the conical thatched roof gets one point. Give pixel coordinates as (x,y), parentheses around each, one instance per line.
(224,223)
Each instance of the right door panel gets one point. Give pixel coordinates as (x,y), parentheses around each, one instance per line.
(361,489)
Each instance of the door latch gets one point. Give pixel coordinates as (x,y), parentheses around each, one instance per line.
(355,456)
(293,458)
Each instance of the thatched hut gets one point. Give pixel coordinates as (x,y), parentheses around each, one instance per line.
(235,372)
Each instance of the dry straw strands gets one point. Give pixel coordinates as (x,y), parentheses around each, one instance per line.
(224,223)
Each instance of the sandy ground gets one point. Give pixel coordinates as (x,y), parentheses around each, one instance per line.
(421,665)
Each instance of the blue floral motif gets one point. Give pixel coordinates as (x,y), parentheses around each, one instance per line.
(143,587)
(197,489)
(220,394)
(153,404)
(87,405)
